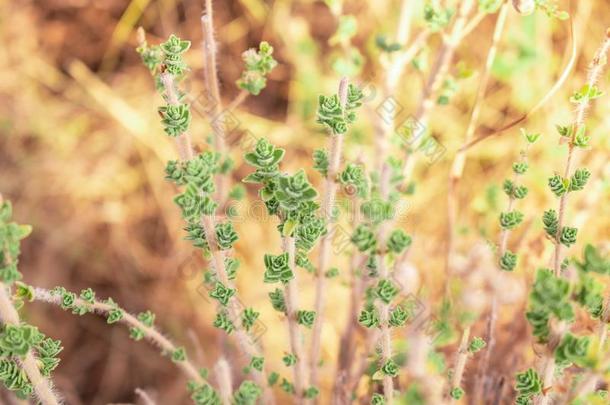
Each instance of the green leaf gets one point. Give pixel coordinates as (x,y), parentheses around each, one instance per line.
(398,241)
(579,179)
(510,219)
(551,223)
(386,290)
(364,238)
(572,349)
(306,318)
(476,345)
(221,293)
(528,383)
(225,235)
(277,268)
(289,359)
(568,236)
(508,261)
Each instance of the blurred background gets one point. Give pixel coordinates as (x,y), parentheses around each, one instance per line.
(82,155)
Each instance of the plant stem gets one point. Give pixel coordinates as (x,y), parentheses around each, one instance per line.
(478,392)
(238,100)
(346,348)
(595,70)
(460,362)
(29,364)
(143,395)
(548,375)
(292,305)
(222,370)
(330,191)
(183,141)
(233,306)
(151,333)
(216,117)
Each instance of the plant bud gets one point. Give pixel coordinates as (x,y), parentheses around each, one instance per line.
(524,7)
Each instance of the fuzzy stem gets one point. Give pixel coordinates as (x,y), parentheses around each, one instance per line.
(478,393)
(238,100)
(595,70)
(292,305)
(183,141)
(330,191)
(146,399)
(212,84)
(222,370)
(233,306)
(346,348)
(211,74)
(151,333)
(548,375)
(460,362)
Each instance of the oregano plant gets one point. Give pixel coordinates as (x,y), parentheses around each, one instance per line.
(346,289)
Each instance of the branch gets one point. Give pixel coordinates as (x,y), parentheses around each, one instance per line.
(292,305)
(330,190)
(150,332)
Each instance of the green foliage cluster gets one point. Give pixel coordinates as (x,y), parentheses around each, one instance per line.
(258,64)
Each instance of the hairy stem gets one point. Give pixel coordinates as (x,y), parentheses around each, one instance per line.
(144,397)
(460,361)
(215,117)
(222,370)
(478,393)
(238,100)
(330,191)
(292,305)
(233,307)
(151,333)
(595,70)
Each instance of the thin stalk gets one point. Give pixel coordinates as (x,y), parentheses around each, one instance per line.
(143,395)
(478,392)
(213,86)
(460,361)
(151,333)
(238,100)
(233,306)
(548,375)
(330,191)
(346,348)
(183,141)
(42,387)
(595,70)
(387,126)
(292,305)
(222,371)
